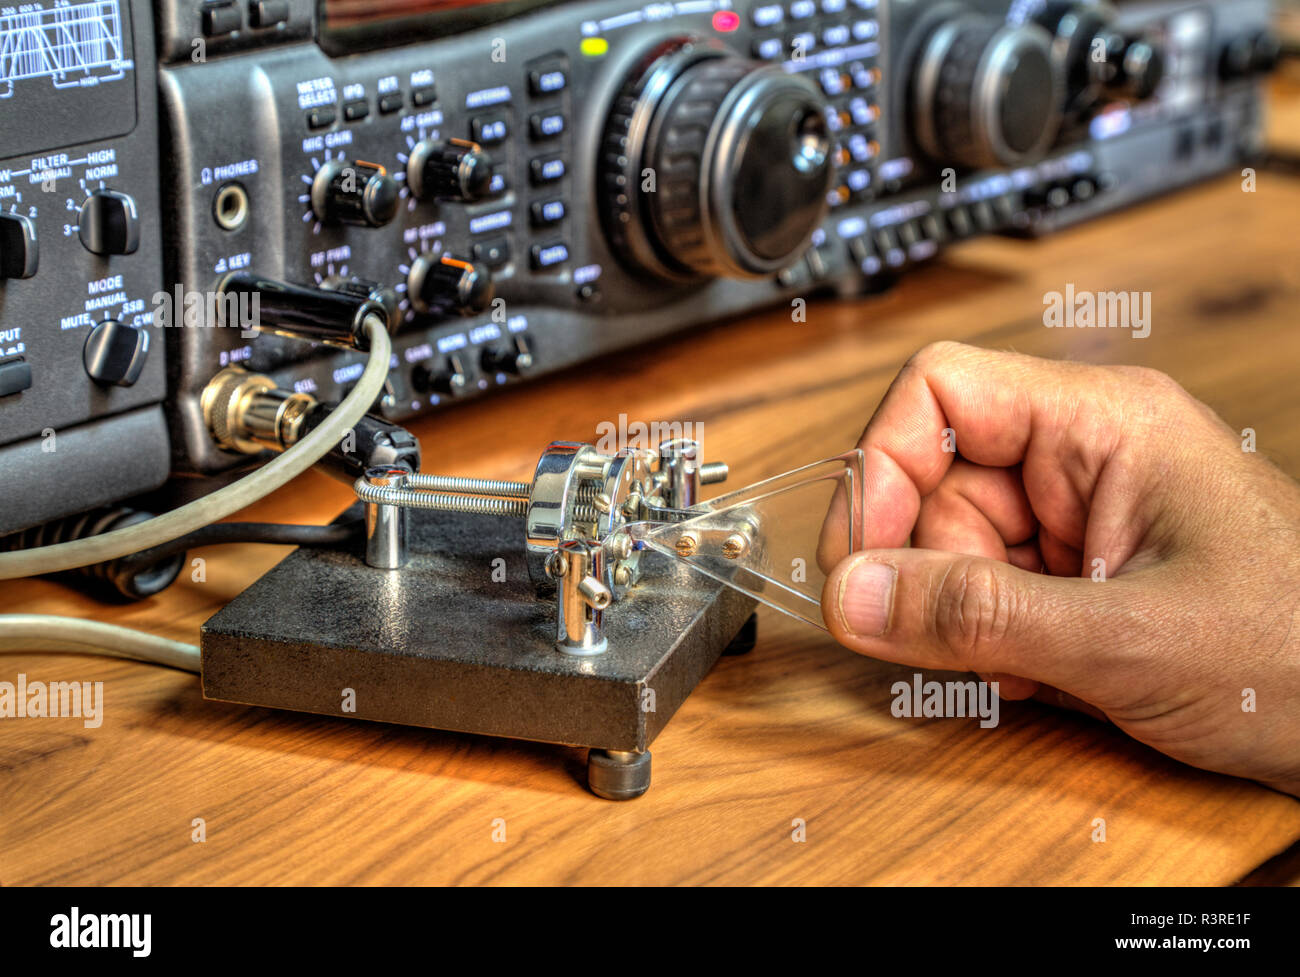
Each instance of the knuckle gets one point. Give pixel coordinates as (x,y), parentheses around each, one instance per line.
(935,354)
(975,607)
(1155,384)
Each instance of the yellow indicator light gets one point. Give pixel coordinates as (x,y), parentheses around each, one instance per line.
(594,47)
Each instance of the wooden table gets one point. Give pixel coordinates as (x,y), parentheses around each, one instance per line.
(798,729)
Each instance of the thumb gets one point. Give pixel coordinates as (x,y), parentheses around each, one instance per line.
(962,613)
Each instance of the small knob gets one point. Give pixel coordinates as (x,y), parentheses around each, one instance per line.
(19,255)
(454,170)
(114,353)
(1133,67)
(347,192)
(451,381)
(109,223)
(515,358)
(448,286)
(1249,54)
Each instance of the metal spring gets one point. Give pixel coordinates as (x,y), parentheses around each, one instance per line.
(468,486)
(486,505)
(472,496)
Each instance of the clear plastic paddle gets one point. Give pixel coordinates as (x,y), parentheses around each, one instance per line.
(763,539)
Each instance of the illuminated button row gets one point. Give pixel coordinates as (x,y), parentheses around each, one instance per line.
(324,116)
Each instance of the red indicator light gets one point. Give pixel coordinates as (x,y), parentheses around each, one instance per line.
(726,21)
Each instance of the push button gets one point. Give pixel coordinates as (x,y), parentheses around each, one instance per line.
(488,130)
(392,102)
(424,95)
(19,254)
(835,35)
(221,19)
(114,354)
(15,377)
(862,252)
(109,223)
(545,125)
(268,13)
(356,110)
(543,213)
(546,169)
(959,222)
(321,118)
(547,79)
(549,255)
(493,253)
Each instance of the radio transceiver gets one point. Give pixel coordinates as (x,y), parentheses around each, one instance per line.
(522,185)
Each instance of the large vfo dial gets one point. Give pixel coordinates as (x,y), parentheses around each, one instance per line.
(713,165)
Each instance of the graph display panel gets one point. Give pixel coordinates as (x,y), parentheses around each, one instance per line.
(66,73)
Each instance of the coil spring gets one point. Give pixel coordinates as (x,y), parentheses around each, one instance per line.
(512,506)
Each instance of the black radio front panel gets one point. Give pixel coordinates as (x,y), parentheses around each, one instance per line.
(595,174)
(81,362)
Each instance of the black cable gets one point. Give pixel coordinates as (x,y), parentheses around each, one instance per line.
(148,572)
(282,534)
(140,566)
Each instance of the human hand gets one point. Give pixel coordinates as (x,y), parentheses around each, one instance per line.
(1120,553)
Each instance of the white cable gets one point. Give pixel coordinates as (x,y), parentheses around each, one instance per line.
(223,502)
(48,632)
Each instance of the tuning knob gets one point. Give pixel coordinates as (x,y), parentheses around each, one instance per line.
(448,286)
(452,170)
(986,93)
(740,155)
(348,192)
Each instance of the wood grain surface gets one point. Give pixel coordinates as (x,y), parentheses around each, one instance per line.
(797,729)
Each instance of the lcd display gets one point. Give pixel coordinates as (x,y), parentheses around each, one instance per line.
(371,23)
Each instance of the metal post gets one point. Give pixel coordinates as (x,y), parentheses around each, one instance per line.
(386,525)
(582,597)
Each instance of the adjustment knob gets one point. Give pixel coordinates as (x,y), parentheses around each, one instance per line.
(19,256)
(1095,59)
(109,223)
(515,358)
(448,286)
(454,170)
(985,93)
(347,192)
(740,157)
(114,353)
(1133,67)
(450,381)
(1250,54)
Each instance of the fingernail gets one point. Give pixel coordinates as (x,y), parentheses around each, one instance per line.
(867,598)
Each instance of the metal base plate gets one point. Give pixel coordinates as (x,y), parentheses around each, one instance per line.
(442,644)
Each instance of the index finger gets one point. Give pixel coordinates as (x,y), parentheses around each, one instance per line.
(994,409)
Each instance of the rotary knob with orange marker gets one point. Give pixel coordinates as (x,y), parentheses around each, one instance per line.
(445,285)
(453,170)
(354,192)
